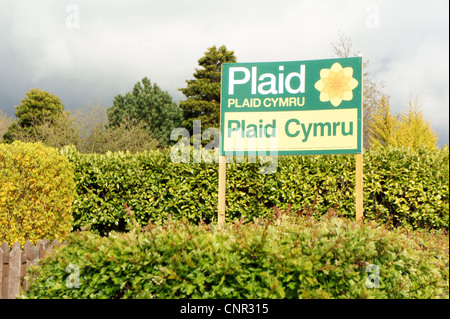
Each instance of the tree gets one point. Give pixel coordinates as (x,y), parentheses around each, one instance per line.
(150,105)
(408,129)
(203,92)
(95,135)
(383,124)
(90,122)
(413,131)
(372,91)
(38,107)
(132,137)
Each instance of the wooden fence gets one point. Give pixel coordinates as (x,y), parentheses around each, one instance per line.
(14,263)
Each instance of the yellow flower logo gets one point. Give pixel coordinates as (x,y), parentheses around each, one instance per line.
(336,84)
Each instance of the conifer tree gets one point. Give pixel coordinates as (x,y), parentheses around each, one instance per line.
(413,131)
(383,124)
(203,92)
(408,129)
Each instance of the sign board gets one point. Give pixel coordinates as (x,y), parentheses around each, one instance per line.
(292,108)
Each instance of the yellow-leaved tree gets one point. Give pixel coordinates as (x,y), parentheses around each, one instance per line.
(408,129)
(412,130)
(383,124)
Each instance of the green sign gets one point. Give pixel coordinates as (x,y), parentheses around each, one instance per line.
(292,108)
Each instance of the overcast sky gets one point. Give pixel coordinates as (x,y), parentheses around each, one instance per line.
(86,52)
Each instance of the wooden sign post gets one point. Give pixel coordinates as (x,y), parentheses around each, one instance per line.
(359,165)
(222,185)
(359,186)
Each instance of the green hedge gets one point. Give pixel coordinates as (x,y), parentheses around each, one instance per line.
(401,187)
(291,256)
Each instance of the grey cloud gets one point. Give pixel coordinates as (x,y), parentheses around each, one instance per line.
(118,43)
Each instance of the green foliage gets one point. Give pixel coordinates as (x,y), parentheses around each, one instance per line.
(289,256)
(105,182)
(401,187)
(148,104)
(39,106)
(203,93)
(37,189)
(409,188)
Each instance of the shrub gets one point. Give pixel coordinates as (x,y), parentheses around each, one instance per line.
(401,187)
(409,188)
(37,189)
(291,256)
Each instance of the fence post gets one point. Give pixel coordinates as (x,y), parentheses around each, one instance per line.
(5,270)
(42,246)
(1,273)
(15,263)
(32,256)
